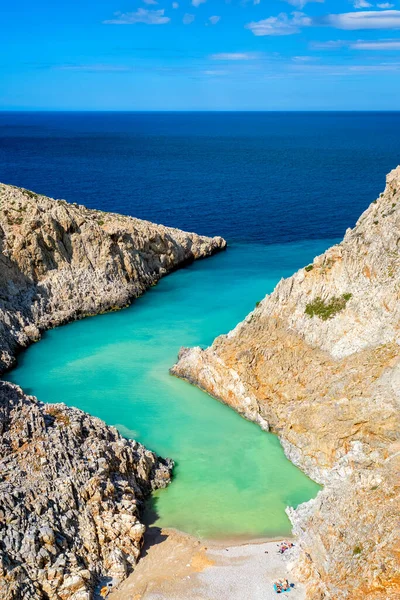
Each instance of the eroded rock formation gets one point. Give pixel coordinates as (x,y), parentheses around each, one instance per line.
(71,487)
(318,362)
(61,261)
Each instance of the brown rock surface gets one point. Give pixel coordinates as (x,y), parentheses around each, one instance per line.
(318,362)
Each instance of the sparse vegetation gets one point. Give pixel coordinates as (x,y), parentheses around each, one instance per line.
(309,268)
(327,309)
(58,415)
(258,303)
(357,550)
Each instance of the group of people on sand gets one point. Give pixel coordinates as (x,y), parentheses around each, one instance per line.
(285,546)
(282,585)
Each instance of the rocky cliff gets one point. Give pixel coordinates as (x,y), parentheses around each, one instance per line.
(71,488)
(318,363)
(61,261)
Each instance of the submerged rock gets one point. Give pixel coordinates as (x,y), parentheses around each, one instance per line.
(319,362)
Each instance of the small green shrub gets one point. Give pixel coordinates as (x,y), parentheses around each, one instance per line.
(30,194)
(100,223)
(376,222)
(357,550)
(309,268)
(258,303)
(327,309)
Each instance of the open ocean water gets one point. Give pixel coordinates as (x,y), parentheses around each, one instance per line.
(281,187)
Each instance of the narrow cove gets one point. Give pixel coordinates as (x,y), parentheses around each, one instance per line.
(231,479)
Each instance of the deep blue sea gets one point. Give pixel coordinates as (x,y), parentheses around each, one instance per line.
(281,188)
(261,177)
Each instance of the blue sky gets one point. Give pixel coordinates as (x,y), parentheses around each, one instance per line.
(200,55)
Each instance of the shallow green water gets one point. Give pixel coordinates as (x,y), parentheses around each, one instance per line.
(231,478)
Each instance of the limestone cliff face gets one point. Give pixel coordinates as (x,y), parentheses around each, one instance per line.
(318,362)
(61,261)
(71,489)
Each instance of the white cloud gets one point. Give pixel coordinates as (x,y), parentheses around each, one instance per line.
(329,45)
(235,56)
(361,4)
(97,68)
(198,2)
(385,5)
(142,15)
(150,2)
(188,18)
(175,5)
(283,24)
(304,59)
(301,3)
(215,72)
(376,45)
(370,19)
(214,20)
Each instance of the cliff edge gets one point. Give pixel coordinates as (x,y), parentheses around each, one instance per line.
(318,363)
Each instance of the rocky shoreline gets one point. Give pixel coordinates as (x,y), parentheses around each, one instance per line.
(71,488)
(318,363)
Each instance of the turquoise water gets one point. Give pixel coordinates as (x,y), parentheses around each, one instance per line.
(231,479)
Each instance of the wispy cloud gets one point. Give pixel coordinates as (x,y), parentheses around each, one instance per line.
(175,5)
(188,18)
(198,2)
(301,3)
(304,59)
(235,56)
(97,68)
(214,19)
(388,44)
(142,15)
(150,2)
(370,19)
(361,4)
(376,45)
(283,24)
(329,45)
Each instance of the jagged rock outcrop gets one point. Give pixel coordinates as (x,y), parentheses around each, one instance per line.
(61,261)
(318,362)
(71,489)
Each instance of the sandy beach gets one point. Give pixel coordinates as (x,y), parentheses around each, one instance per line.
(176,566)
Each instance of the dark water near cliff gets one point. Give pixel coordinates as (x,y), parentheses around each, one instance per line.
(261,177)
(278,186)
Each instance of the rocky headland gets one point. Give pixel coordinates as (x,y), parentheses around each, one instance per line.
(318,363)
(61,261)
(71,488)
